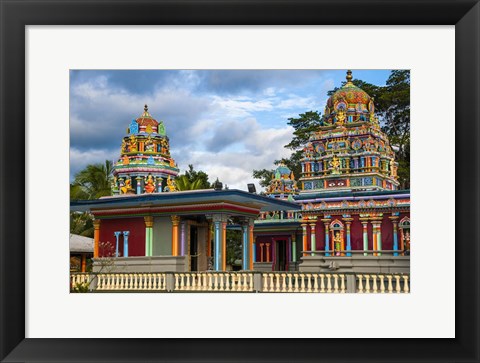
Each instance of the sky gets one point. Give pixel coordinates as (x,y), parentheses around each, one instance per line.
(223,122)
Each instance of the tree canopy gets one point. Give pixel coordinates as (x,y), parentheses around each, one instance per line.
(92,182)
(192,179)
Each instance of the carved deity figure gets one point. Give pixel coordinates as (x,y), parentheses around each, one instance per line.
(126,160)
(407,242)
(171,187)
(133,144)
(149,184)
(337,241)
(124,147)
(164,146)
(149,144)
(341,116)
(126,186)
(335,165)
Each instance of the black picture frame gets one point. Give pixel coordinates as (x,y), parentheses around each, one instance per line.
(16,14)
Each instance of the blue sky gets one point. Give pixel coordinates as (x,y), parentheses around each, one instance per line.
(224,122)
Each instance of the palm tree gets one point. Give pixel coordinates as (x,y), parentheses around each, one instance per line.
(183,183)
(92,182)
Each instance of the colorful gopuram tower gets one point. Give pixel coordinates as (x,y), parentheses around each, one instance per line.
(349,151)
(145,164)
(283,184)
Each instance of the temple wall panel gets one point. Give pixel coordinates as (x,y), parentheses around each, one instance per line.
(162,236)
(136,239)
(319,235)
(356,233)
(387,233)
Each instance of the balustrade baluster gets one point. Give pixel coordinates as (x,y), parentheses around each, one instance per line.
(367,284)
(302,288)
(397,284)
(382,284)
(284,283)
(315,283)
(322,283)
(390,286)
(329,283)
(335,283)
(360,284)
(374,287)
(297,286)
(405,284)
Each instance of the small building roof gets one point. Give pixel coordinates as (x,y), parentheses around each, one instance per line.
(203,196)
(81,244)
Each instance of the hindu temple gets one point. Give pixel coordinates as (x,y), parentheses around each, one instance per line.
(343,213)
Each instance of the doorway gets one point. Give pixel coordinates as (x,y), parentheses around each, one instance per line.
(281,261)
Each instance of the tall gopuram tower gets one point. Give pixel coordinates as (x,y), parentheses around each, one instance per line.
(145,164)
(349,151)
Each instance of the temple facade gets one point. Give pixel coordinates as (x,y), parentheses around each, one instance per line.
(352,217)
(343,213)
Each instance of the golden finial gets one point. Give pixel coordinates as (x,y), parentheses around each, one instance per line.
(349,76)
(145,108)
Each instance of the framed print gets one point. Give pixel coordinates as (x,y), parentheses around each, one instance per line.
(50,53)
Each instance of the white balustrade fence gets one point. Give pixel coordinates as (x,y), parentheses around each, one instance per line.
(132,282)
(382,283)
(303,282)
(272,282)
(214,281)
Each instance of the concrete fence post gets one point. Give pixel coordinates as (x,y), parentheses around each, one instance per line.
(257,282)
(351,283)
(170,281)
(92,286)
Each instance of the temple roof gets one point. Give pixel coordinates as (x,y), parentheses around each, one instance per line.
(146,119)
(201,197)
(349,93)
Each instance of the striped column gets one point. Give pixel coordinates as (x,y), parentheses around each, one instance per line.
(217,239)
(117,237)
(348,222)
(294,248)
(304,237)
(175,223)
(96,237)
(313,242)
(395,233)
(224,246)
(148,235)
(251,241)
(365,236)
(375,246)
(125,243)
(245,264)
(379,237)
(327,236)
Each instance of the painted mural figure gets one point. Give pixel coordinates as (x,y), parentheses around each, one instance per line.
(337,241)
(149,184)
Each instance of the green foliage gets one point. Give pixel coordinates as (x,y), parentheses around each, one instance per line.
(81,287)
(303,126)
(82,224)
(193,179)
(234,246)
(92,182)
(264,175)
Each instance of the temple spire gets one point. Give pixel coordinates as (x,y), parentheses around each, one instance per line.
(349,76)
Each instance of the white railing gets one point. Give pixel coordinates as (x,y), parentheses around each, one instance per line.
(132,282)
(382,283)
(303,282)
(216,282)
(272,282)
(79,279)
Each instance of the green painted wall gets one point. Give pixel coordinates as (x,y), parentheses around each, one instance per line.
(162,236)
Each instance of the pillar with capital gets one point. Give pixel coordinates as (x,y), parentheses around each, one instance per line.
(394,220)
(125,243)
(313,242)
(326,222)
(251,242)
(294,248)
(117,240)
(348,222)
(304,237)
(148,235)
(183,237)
(96,237)
(175,238)
(245,264)
(219,238)
(365,234)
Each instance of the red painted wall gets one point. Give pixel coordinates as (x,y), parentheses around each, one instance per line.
(136,239)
